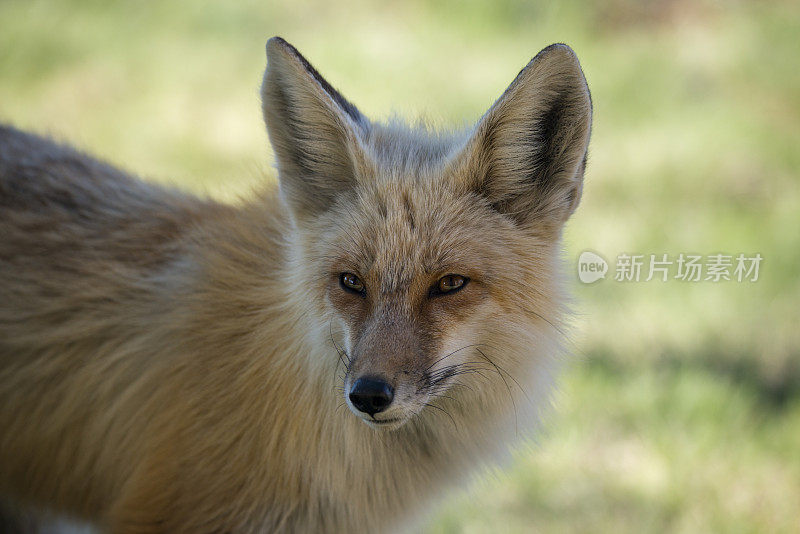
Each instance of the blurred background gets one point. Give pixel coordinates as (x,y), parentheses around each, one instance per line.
(680,410)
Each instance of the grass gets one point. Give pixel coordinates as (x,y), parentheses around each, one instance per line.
(681,412)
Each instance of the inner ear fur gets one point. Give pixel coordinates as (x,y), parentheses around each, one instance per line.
(527,154)
(314,131)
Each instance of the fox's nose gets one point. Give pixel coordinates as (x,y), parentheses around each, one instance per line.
(371,395)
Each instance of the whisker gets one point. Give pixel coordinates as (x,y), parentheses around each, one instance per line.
(344,359)
(510,396)
(448,355)
(509,375)
(455,426)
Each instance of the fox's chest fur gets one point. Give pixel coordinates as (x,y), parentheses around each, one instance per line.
(324,358)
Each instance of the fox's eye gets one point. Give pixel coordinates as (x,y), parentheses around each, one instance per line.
(450,283)
(351,282)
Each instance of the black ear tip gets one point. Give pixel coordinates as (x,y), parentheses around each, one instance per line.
(556,49)
(277,43)
(559,46)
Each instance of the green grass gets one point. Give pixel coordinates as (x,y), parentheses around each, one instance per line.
(682,411)
(654,450)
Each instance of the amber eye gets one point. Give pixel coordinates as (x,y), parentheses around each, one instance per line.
(450,283)
(351,282)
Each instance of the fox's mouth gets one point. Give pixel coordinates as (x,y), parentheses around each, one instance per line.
(384,421)
(390,423)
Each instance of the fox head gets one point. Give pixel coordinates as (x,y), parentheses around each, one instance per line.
(429,261)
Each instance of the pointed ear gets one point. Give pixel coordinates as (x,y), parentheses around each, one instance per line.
(314,131)
(528,152)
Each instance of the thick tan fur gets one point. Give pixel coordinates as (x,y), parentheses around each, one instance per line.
(171,364)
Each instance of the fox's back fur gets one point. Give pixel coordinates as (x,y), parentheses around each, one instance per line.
(173,364)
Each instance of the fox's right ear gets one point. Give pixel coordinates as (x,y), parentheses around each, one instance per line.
(314,131)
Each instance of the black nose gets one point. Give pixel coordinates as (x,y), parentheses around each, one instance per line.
(371,395)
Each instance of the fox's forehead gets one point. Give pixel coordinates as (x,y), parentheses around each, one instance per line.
(398,151)
(396,232)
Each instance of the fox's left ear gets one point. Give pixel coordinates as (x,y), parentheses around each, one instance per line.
(528,153)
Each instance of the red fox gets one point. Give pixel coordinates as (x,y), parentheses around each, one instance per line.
(327,357)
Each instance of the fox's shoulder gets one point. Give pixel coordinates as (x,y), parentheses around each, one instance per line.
(60,206)
(40,174)
(56,197)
